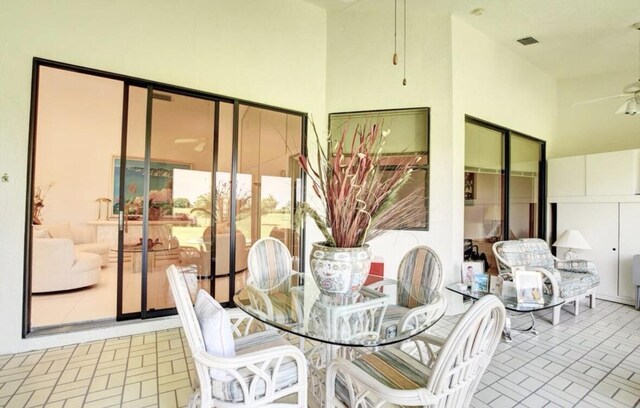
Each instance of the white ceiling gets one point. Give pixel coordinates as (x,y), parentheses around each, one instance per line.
(577,37)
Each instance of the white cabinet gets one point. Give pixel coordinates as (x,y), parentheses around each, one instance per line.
(566,177)
(629,246)
(613,173)
(611,229)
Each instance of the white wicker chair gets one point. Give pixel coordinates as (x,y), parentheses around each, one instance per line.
(420,271)
(449,381)
(270,275)
(255,377)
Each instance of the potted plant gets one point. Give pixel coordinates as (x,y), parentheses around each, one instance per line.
(359,201)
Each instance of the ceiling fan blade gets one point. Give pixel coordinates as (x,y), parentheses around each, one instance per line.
(187,140)
(632,87)
(623,108)
(606,98)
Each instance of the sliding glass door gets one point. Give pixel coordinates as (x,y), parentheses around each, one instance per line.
(175,176)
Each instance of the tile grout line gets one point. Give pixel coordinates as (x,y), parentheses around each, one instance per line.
(95,367)
(25,378)
(610,372)
(75,346)
(555,375)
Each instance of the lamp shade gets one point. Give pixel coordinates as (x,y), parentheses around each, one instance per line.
(572,239)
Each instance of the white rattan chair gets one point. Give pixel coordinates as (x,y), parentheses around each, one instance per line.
(420,271)
(270,276)
(393,376)
(266,367)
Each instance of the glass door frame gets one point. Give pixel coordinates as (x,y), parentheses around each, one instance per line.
(151,85)
(506,174)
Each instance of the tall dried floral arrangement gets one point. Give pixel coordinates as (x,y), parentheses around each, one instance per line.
(360,199)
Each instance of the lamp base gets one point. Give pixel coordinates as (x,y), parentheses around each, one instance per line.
(570,255)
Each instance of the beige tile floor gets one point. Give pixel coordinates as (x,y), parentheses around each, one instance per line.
(592,360)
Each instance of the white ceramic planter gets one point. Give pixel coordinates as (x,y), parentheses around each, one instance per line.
(339,270)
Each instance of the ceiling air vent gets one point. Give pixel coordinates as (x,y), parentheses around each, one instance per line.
(528,41)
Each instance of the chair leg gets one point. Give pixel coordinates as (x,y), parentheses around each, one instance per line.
(556,315)
(592,304)
(576,307)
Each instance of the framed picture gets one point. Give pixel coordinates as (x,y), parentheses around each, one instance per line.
(160,180)
(469,186)
(528,287)
(495,285)
(480,283)
(470,269)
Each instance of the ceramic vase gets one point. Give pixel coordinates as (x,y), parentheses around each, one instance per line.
(339,271)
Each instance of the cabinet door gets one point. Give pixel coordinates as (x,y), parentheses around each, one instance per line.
(629,246)
(598,223)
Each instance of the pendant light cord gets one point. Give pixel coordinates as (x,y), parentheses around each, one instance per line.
(395,32)
(404,80)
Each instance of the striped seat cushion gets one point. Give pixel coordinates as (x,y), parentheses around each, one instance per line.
(230,389)
(391,367)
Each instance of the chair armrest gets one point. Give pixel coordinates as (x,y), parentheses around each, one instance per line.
(258,363)
(428,346)
(381,283)
(577,265)
(418,314)
(241,322)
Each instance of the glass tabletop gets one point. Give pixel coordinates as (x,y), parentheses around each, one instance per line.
(510,302)
(382,313)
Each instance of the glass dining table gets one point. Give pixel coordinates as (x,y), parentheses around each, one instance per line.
(341,325)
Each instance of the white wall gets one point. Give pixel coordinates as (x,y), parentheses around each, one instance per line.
(594,127)
(361,76)
(267,51)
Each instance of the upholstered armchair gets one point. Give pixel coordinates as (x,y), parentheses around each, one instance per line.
(571,280)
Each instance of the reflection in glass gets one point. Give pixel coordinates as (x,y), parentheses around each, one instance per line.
(484,183)
(269,142)
(523,186)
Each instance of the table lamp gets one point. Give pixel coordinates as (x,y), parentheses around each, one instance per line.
(571,239)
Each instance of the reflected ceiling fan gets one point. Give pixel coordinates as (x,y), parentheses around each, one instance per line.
(200,142)
(631,91)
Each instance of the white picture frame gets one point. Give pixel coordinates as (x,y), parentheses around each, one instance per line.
(528,287)
(470,269)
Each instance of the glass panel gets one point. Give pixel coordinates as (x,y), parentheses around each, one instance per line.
(182,151)
(268,176)
(524,187)
(483,188)
(78,132)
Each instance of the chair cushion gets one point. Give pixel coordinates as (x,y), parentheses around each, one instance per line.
(575,283)
(391,367)
(216,330)
(230,389)
(532,252)
(41,233)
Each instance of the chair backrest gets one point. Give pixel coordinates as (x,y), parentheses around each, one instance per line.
(528,252)
(269,263)
(420,268)
(188,318)
(466,353)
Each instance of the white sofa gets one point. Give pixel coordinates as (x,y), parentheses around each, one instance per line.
(56,265)
(82,237)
